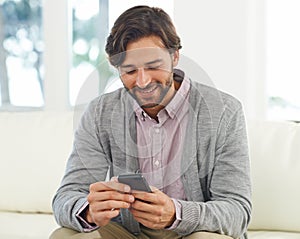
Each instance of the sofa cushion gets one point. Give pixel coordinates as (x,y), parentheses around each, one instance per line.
(273,235)
(34,150)
(26,226)
(275,166)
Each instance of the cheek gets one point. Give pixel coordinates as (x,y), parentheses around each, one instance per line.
(128,84)
(162,76)
(166,78)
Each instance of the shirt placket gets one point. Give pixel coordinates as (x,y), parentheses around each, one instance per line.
(157,147)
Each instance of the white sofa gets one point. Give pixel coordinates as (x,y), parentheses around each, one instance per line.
(35,146)
(34,149)
(275,171)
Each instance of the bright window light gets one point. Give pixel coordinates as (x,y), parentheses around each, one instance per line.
(21,54)
(283,59)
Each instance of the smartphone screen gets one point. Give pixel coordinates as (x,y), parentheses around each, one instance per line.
(136,181)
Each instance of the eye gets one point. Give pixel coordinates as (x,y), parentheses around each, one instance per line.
(130,72)
(153,67)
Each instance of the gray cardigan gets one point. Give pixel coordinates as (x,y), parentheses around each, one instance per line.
(215,163)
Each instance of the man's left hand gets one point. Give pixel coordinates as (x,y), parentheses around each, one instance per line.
(154,210)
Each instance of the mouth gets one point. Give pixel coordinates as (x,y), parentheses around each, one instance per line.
(147,92)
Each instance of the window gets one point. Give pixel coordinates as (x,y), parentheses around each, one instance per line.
(21,53)
(283,59)
(49,53)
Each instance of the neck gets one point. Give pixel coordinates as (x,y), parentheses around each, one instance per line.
(153,111)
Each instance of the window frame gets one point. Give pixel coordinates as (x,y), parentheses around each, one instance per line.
(57,36)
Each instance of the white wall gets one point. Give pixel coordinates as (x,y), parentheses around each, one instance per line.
(225,39)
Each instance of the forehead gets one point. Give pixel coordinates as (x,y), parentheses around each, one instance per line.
(144,50)
(146,55)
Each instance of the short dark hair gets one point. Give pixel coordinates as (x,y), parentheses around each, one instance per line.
(136,23)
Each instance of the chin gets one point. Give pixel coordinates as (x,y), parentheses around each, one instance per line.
(148,105)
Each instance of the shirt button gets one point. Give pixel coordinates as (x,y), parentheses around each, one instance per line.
(156,163)
(156,130)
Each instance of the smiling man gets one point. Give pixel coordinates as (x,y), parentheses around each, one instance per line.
(188,140)
(147,73)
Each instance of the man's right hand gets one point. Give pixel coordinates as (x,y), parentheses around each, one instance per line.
(105,200)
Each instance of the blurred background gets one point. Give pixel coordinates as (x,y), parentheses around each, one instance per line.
(249,48)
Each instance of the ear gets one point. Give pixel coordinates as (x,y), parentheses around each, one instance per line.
(175,58)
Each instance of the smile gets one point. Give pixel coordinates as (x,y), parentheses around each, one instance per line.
(147,91)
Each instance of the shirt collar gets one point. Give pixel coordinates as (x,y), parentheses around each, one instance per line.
(181,95)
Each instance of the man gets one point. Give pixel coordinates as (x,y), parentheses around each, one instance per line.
(187,139)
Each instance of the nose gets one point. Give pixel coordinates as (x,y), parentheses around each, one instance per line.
(143,78)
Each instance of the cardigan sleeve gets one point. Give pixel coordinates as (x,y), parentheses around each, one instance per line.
(86,164)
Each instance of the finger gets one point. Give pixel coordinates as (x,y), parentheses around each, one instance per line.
(109,186)
(102,218)
(109,195)
(142,215)
(144,196)
(147,220)
(153,220)
(147,211)
(142,206)
(106,214)
(110,205)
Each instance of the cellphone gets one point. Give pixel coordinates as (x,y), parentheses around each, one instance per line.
(136,181)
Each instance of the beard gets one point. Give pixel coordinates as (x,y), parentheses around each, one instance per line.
(153,95)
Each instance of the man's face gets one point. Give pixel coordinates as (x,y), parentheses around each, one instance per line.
(147,72)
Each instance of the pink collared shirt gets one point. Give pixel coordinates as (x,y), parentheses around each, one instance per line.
(160,144)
